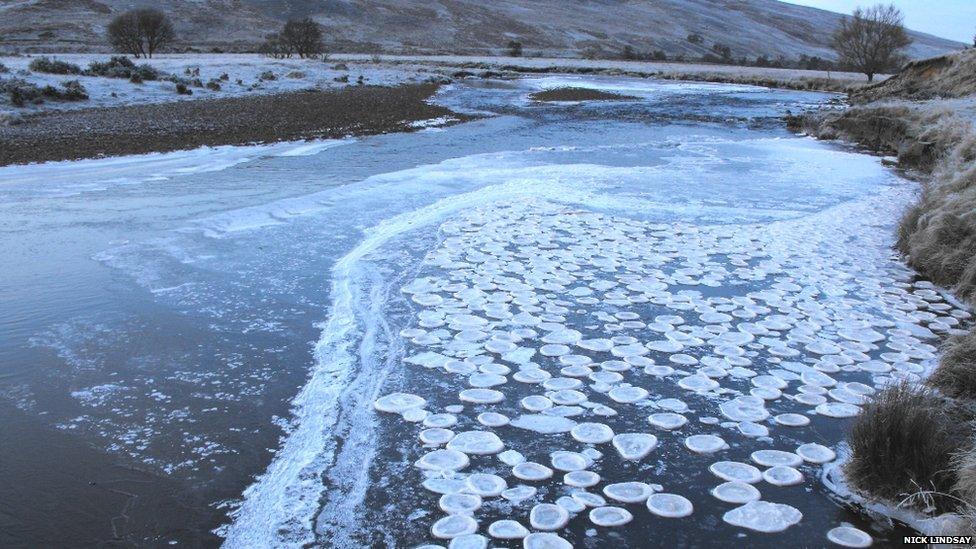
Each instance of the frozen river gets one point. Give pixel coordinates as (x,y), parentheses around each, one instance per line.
(579,321)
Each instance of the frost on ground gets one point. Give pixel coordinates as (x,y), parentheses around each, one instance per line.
(623,339)
(235,74)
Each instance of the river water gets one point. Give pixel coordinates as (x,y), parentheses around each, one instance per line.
(180,329)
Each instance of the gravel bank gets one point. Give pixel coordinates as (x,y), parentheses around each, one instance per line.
(578,94)
(89,133)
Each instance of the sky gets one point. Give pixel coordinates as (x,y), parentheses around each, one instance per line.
(955,19)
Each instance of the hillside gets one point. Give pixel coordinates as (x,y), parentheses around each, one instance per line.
(550,27)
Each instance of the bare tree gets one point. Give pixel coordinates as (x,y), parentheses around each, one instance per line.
(303,36)
(123,34)
(872,39)
(275,47)
(140,32)
(155,28)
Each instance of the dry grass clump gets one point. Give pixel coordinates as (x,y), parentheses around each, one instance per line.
(965,466)
(956,373)
(940,241)
(902,445)
(939,236)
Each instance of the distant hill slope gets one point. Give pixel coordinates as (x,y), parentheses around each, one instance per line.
(552,27)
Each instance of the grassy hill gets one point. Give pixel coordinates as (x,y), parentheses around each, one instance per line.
(549,27)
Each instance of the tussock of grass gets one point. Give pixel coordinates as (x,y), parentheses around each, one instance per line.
(902,444)
(965,466)
(956,374)
(940,239)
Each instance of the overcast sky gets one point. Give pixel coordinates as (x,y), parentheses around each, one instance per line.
(955,19)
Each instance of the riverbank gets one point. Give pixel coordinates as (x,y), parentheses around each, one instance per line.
(789,79)
(162,127)
(216,76)
(914,445)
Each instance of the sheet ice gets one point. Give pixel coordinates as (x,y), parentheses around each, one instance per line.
(561,300)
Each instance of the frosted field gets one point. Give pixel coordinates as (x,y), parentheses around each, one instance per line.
(630,324)
(243,77)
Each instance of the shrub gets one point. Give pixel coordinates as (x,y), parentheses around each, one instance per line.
(723,51)
(73,91)
(136,78)
(514,48)
(213,84)
(267,75)
(115,67)
(182,89)
(344,78)
(20,92)
(53,66)
(225,77)
(901,447)
(3,68)
(122,67)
